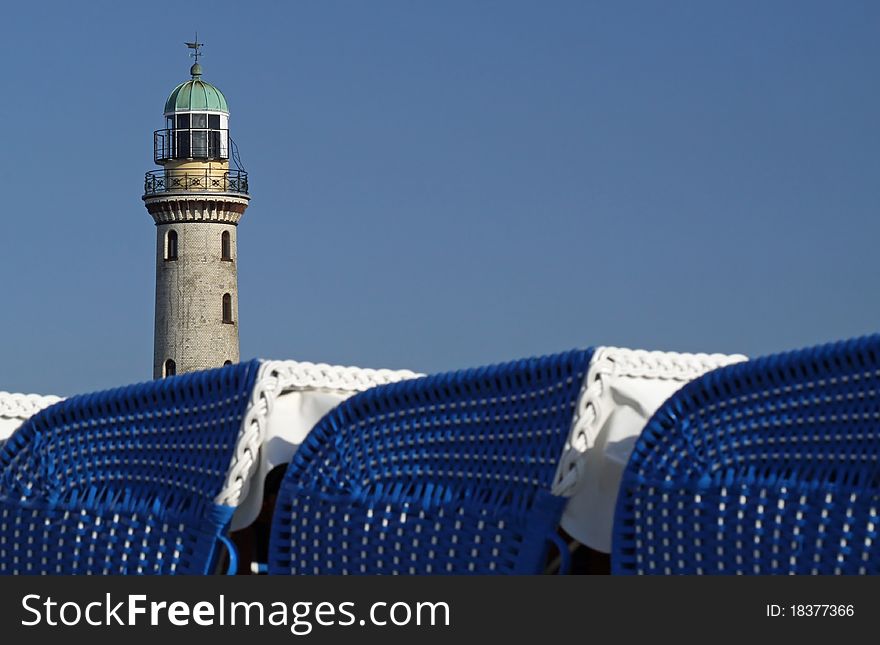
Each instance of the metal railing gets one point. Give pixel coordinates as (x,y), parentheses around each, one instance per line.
(172,181)
(190,143)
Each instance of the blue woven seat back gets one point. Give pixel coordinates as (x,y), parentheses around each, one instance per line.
(444,474)
(765,467)
(123,481)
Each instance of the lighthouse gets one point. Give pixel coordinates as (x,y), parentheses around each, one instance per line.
(196,200)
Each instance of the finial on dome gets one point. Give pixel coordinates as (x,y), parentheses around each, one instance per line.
(196,69)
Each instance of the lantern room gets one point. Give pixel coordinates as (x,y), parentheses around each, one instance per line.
(196,124)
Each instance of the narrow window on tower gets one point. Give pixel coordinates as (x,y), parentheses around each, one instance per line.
(171,245)
(225,247)
(200,144)
(227,308)
(214,144)
(182,148)
(214,136)
(170,368)
(168,139)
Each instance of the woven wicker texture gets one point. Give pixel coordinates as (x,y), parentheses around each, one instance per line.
(766,467)
(123,481)
(449,473)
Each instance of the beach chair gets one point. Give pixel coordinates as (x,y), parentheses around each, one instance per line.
(445,474)
(764,467)
(136,480)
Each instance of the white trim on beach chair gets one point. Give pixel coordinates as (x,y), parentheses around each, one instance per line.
(289,398)
(621,392)
(15,409)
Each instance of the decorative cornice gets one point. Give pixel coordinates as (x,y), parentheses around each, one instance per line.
(199,207)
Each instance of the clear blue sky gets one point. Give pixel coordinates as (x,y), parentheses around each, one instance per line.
(440,185)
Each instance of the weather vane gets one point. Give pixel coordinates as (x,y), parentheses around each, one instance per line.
(195,45)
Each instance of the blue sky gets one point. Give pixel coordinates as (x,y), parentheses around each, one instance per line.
(440,185)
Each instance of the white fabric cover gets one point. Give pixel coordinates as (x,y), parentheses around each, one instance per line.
(621,392)
(289,399)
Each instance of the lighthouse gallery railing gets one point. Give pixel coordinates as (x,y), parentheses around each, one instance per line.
(195,180)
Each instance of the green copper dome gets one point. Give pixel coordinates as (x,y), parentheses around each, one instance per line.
(195,94)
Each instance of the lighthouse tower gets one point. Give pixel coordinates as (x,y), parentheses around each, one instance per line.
(196,200)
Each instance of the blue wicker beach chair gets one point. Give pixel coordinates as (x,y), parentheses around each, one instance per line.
(765,467)
(450,473)
(136,480)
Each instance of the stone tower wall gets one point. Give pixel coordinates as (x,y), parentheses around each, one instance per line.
(189,325)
